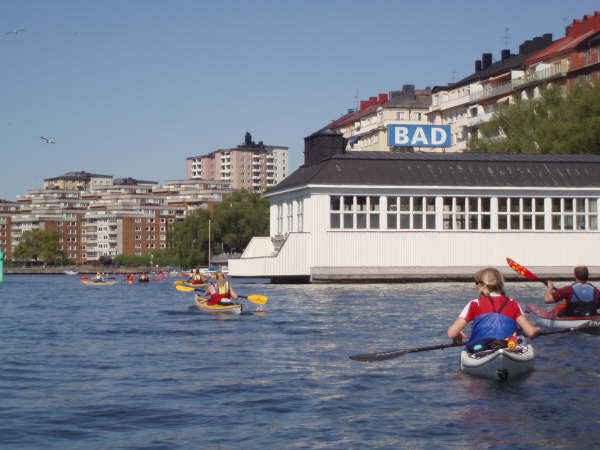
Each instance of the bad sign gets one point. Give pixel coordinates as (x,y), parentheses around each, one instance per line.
(419,136)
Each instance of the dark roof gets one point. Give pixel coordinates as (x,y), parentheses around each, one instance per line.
(526,49)
(449,169)
(82,175)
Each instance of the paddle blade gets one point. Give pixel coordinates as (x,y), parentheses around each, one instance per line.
(381,356)
(177,282)
(258,299)
(521,270)
(184,288)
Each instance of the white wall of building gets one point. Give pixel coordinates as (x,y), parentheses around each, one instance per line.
(317,245)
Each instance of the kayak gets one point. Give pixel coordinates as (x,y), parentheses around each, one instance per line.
(551,319)
(234,308)
(99,283)
(193,285)
(500,364)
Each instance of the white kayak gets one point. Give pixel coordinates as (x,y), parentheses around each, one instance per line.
(552,319)
(500,365)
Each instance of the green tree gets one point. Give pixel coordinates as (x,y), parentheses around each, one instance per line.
(40,245)
(129,260)
(240,216)
(189,239)
(559,121)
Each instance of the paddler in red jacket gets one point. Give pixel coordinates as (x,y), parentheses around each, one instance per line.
(494,316)
(220,290)
(582,299)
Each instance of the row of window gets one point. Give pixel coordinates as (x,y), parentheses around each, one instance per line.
(359,212)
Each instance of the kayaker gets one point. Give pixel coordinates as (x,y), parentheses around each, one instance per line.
(582,298)
(220,290)
(99,278)
(495,317)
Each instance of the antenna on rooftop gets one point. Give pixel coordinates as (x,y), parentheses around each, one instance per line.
(357,100)
(506,37)
(454,75)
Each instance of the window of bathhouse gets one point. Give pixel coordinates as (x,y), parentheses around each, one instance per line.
(575,214)
(359,212)
(334,208)
(411,213)
(279,218)
(300,215)
(466,213)
(520,213)
(290,216)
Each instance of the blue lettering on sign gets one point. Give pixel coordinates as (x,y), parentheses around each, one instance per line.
(419,136)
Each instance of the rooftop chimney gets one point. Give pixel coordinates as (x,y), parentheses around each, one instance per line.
(322,145)
(478,66)
(505,54)
(486,58)
(536,44)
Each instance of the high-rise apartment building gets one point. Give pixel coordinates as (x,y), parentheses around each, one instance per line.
(251,166)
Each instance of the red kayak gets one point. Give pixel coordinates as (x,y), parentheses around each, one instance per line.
(551,319)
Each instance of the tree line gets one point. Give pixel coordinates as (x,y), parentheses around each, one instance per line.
(561,120)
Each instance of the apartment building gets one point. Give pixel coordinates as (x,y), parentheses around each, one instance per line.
(574,58)
(7,210)
(101,216)
(251,166)
(468,103)
(368,128)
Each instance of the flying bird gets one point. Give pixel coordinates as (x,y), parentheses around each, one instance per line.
(47,140)
(15,32)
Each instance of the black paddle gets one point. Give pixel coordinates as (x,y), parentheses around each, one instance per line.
(592,325)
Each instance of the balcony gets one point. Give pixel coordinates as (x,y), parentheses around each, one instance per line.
(481,118)
(581,60)
(490,92)
(537,77)
(456,101)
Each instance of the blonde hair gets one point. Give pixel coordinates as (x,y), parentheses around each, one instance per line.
(220,278)
(490,280)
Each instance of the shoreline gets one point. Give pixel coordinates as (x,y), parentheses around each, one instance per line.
(373,276)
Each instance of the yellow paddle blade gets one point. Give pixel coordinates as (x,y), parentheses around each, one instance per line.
(258,299)
(178,282)
(184,288)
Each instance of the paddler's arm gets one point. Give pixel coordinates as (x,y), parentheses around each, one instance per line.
(455,331)
(527,328)
(233,293)
(549,296)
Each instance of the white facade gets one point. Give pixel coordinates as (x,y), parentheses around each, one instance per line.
(394,229)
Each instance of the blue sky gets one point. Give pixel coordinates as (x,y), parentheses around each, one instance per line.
(131,88)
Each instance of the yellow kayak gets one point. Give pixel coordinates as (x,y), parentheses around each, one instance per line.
(99,283)
(234,308)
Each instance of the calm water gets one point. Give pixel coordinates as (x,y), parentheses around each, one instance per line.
(136,366)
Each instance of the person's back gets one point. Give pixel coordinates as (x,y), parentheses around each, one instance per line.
(582,298)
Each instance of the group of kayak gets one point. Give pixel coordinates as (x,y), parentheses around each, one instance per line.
(101,280)
(495,348)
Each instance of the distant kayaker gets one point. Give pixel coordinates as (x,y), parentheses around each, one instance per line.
(99,278)
(220,290)
(582,298)
(495,317)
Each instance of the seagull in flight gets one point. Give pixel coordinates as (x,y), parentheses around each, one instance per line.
(15,32)
(48,140)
